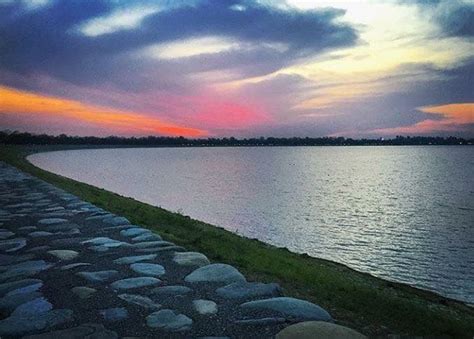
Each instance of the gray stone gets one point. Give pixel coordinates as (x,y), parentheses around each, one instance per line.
(6,259)
(147,237)
(38,234)
(54,209)
(116,221)
(27,228)
(6,234)
(71,266)
(134,231)
(134,259)
(154,270)
(35,306)
(64,254)
(114,314)
(130,283)
(51,221)
(171,290)
(169,320)
(11,302)
(160,249)
(85,331)
(98,276)
(98,217)
(25,289)
(248,290)
(190,259)
(205,307)
(11,286)
(291,308)
(146,244)
(69,242)
(83,292)
(12,245)
(24,269)
(219,273)
(140,301)
(261,321)
(43,248)
(100,241)
(99,249)
(20,325)
(318,329)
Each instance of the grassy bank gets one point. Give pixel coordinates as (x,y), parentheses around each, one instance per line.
(361,301)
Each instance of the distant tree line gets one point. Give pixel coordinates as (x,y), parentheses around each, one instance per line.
(23,138)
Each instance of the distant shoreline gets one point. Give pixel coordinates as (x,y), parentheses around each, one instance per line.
(17,138)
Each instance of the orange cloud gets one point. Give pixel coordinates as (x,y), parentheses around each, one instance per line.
(16,102)
(454,118)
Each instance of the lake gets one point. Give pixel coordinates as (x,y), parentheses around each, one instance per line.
(405,214)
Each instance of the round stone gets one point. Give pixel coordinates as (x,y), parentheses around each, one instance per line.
(248,290)
(148,269)
(215,273)
(64,254)
(169,320)
(290,308)
(114,314)
(130,283)
(190,259)
(205,307)
(83,292)
(318,329)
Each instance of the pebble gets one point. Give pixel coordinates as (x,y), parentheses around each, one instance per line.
(51,221)
(24,269)
(130,283)
(205,307)
(64,254)
(171,290)
(11,286)
(39,234)
(134,259)
(169,320)
(190,259)
(117,221)
(248,290)
(148,269)
(12,245)
(135,231)
(98,276)
(87,331)
(114,314)
(83,292)
(222,273)
(71,266)
(147,237)
(291,308)
(140,301)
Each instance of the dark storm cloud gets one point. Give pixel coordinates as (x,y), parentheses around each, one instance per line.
(455,18)
(46,40)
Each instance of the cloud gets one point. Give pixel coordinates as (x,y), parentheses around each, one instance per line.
(48,41)
(454,17)
(450,118)
(18,103)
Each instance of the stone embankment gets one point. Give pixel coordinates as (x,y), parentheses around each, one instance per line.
(71,269)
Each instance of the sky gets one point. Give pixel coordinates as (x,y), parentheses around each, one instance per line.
(242,68)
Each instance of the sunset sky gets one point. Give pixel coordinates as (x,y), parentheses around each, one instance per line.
(238,68)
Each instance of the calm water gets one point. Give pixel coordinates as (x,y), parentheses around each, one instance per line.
(401,213)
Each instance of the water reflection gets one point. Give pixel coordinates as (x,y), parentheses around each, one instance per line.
(402,213)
